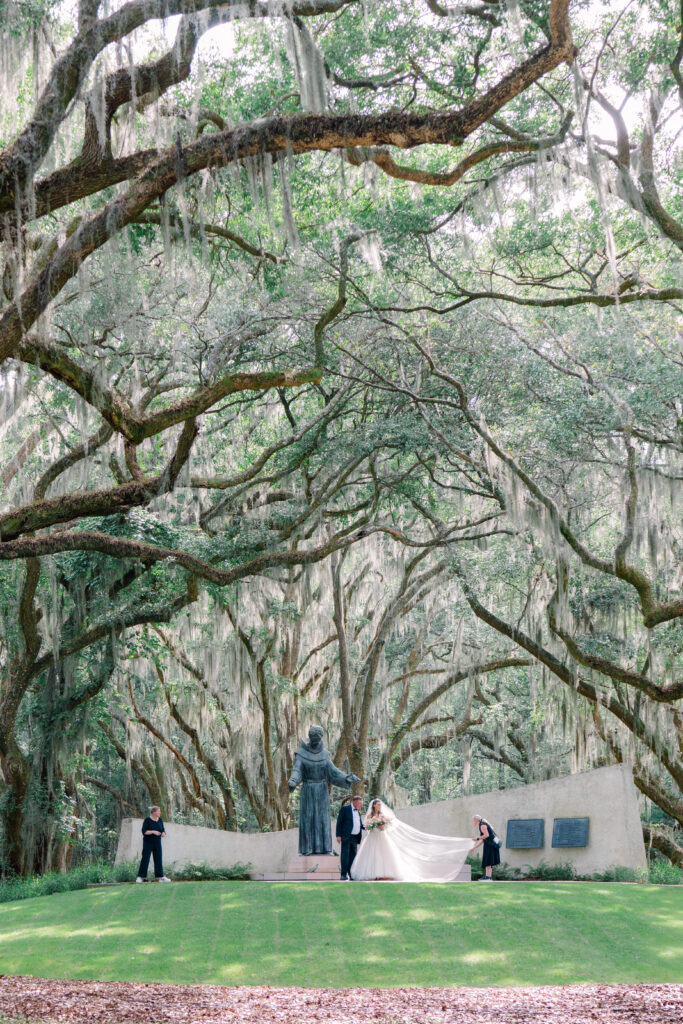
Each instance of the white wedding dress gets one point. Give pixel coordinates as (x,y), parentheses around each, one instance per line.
(404,854)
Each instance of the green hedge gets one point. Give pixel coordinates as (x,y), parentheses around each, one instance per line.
(660,873)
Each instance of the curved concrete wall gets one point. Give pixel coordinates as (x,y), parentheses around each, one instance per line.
(184,844)
(607,796)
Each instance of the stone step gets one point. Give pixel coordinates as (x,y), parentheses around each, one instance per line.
(464,875)
(304,876)
(322,862)
(296,876)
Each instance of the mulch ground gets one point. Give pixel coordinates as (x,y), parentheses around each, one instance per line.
(95,1002)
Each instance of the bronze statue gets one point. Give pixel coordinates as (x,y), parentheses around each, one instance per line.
(313,768)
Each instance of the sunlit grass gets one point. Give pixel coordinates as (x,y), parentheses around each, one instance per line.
(327,934)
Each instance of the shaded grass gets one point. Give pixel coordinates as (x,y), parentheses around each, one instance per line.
(356,934)
(16,888)
(100,873)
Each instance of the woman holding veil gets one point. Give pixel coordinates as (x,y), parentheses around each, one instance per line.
(397,851)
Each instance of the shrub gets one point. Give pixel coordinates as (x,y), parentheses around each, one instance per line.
(15,888)
(618,874)
(502,872)
(663,872)
(206,873)
(545,872)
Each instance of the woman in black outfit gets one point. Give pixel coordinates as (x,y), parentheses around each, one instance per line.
(153,832)
(490,855)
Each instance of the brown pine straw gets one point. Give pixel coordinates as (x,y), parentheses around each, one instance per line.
(95,1002)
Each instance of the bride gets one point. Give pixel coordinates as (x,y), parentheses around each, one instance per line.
(395,850)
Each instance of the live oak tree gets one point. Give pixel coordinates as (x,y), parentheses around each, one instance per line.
(574,432)
(104,146)
(217,265)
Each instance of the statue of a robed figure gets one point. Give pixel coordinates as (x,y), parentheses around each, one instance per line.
(313,768)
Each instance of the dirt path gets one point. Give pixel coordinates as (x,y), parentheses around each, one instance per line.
(94,1002)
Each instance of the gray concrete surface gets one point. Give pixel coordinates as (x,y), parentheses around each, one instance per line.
(607,796)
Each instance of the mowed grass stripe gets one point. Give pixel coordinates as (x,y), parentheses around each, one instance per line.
(554,944)
(583,948)
(196,942)
(560,943)
(607,920)
(351,934)
(426,924)
(612,921)
(234,948)
(337,935)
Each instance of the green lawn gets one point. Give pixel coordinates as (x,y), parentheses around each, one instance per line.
(256,933)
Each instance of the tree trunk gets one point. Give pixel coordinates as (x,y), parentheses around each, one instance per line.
(16,773)
(664,843)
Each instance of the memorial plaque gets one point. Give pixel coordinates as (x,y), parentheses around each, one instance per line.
(525,833)
(570,832)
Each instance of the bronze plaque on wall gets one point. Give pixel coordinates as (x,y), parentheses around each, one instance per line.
(525,833)
(570,832)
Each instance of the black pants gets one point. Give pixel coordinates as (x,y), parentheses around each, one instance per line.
(151,847)
(349,849)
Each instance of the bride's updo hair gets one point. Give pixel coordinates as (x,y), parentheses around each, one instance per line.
(376,800)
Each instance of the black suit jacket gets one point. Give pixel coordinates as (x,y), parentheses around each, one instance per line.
(345,822)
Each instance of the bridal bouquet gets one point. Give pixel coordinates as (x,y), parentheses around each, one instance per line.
(376,822)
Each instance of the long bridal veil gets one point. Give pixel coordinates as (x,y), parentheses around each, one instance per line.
(415,856)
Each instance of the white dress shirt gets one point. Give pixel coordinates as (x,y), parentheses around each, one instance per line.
(355,831)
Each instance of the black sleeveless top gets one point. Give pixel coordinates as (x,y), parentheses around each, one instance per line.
(488,840)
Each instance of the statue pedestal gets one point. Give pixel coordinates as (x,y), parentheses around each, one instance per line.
(318,867)
(323,865)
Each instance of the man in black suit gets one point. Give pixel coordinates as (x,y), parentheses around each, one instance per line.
(349,833)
